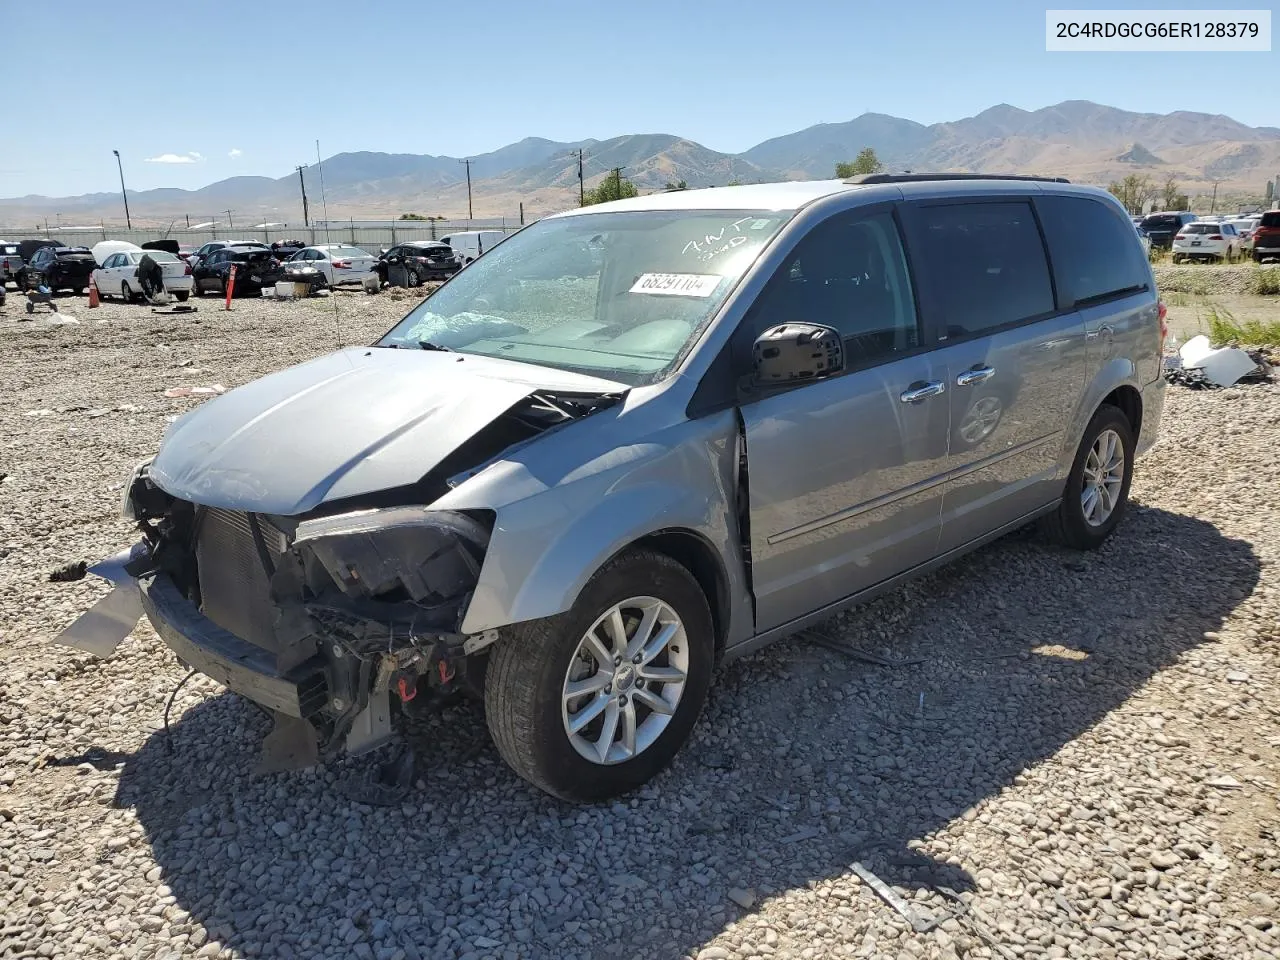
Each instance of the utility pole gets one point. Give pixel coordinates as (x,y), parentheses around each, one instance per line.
(470,214)
(188,216)
(120,166)
(230,225)
(306,222)
(1213,201)
(617,182)
(582,199)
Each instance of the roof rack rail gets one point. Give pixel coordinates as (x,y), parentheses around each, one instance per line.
(925,177)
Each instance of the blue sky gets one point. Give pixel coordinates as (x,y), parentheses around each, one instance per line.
(233,87)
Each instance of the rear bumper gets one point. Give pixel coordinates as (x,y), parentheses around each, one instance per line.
(1209,249)
(237,664)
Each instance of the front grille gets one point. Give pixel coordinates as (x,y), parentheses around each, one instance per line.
(235,590)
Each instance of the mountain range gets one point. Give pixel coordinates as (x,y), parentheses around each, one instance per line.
(1084,141)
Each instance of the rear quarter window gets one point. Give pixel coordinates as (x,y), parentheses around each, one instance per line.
(1095,252)
(1270,219)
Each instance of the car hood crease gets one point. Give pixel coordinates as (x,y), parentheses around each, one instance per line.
(347,424)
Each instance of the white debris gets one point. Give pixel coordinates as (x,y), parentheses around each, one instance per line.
(1223,366)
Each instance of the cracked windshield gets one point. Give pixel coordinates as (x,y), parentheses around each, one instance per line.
(615,295)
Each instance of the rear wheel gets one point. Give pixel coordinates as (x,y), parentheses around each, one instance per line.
(594,702)
(1097,489)
(1177,258)
(181,295)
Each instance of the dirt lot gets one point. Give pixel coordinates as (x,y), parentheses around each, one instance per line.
(1085,749)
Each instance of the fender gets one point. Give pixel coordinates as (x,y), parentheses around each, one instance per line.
(546,545)
(1116,372)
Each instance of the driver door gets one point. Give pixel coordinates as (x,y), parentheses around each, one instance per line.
(845,474)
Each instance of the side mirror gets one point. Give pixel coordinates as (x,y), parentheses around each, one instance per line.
(794,352)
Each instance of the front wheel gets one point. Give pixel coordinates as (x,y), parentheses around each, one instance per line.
(1177,258)
(1097,489)
(595,702)
(125,293)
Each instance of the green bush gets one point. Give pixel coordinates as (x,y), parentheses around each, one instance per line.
(1264,281)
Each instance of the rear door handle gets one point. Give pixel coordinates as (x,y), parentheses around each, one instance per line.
(976,375)
(923,390)
(1106,331)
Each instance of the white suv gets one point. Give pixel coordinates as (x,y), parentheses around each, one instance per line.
(1206,240)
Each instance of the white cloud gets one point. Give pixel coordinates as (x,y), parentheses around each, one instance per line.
(235,153)
(191,157)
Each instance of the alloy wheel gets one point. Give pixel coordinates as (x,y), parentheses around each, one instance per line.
(625,680)
(1102,478)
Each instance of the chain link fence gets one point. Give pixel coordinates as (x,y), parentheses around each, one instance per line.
(370,235)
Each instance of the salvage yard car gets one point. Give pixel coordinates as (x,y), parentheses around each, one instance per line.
(639,438)
(1206,240)
(118,275)
(58,268)
(255,268)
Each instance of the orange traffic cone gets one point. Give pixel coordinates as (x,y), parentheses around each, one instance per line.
(94,301)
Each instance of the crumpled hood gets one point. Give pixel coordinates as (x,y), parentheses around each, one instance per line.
(350,423)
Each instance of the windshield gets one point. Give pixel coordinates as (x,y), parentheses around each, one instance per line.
(244,256)
(341,250)
(159,256)
(616,295)
(1165,222)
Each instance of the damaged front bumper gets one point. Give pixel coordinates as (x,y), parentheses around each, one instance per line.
(320,621)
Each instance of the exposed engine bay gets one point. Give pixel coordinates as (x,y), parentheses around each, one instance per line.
(323,619)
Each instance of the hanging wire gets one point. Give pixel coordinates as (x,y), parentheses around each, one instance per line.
(168,736)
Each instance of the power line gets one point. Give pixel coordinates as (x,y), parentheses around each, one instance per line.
(470,214)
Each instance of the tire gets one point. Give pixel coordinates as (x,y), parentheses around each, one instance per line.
(126,294)
(181,295)
(1069,525)
(412,279)
(1177,258)
(525,705)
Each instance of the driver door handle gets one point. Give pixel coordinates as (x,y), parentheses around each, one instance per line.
(976,375)
(923,390)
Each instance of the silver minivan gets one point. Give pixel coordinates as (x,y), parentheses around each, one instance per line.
(639,438)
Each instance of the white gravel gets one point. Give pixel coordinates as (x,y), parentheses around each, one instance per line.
(1087,753)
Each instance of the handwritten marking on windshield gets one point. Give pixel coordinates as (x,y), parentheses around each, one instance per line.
(711,245)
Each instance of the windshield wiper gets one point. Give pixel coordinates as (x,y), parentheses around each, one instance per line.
(428,345)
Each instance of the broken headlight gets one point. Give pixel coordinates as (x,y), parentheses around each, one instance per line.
(413,554)
(127,509)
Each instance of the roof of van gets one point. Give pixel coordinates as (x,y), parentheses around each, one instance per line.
(794,194)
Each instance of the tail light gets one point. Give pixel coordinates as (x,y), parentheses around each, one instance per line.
(1164,323)
(1180,236)
(1215,236)
(186,268)
(342,264)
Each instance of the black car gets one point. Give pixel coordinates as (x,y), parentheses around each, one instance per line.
(59,268)
(256,268)
(1161,228)
(421,260)
(284,249)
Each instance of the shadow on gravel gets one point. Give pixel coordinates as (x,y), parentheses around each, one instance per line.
(805,761)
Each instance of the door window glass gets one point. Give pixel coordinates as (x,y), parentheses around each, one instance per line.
(848,272)
(985,264)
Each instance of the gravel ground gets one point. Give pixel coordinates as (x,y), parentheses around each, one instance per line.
(1084,749)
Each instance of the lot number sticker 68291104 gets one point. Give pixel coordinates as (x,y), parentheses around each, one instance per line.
(677,284)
